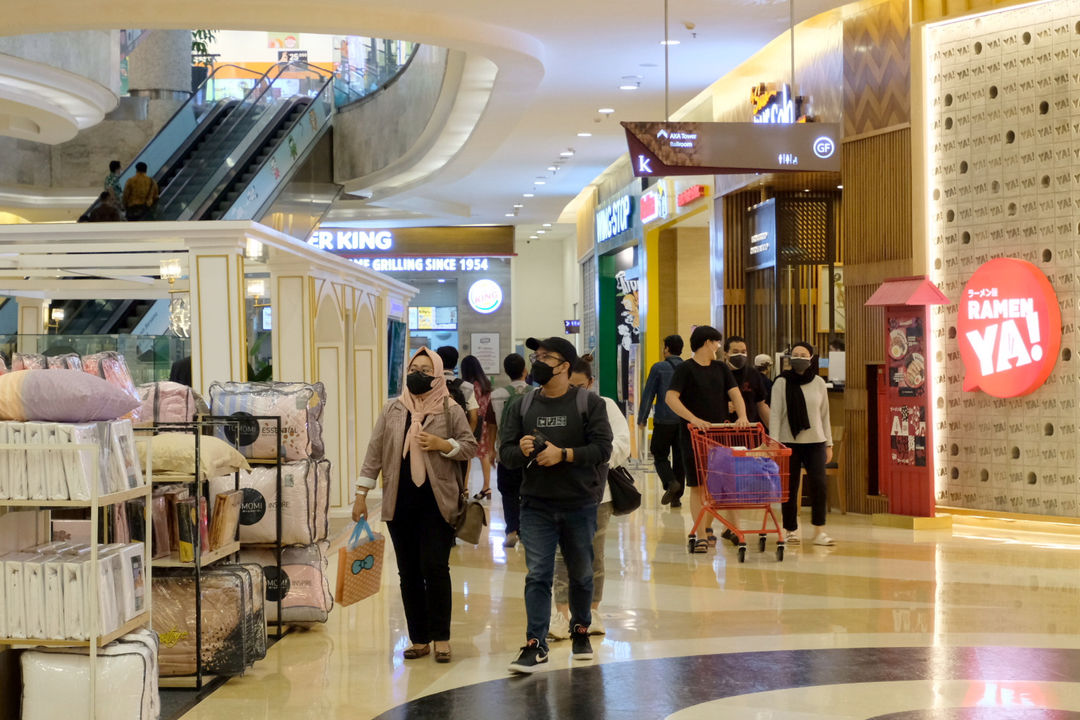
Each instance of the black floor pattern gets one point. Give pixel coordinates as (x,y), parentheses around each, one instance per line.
(654,689)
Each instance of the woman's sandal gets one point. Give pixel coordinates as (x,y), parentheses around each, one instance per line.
(442,656)
(709,537)
(701,546)
(416,651)
(482,495)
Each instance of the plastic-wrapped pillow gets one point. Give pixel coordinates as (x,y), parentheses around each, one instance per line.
(166,402)
(175,452)
(112,367)
(29,361)
(299,405)
(66,396)
(67,361)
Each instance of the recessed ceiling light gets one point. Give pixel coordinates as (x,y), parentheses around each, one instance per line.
(442,280)
(541,232)
(670,42)
(547,224)
(534,237)
(806,190)
(648,65)
(518,205)
(839,187)
(528,195)
(606,111)
(540,182)
(629,87)
(567,153)
(552,168)
(584,134)
(509,214)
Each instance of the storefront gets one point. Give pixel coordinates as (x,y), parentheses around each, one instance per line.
(462,275)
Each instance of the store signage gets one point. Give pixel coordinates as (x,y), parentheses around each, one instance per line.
(690,194)
(654,204)
(572,327)
(716,148)
(1009,328)
(485,296)
(613,219)
(466,241)
(424,264)
(352,240)
(289,56)
(762,245)
(773,105)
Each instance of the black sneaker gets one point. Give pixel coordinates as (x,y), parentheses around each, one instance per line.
(671,494)
(532,655)
(582,649)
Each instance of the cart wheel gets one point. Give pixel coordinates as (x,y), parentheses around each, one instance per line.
(742,553)
(779,553)
(761,543)
(690,544)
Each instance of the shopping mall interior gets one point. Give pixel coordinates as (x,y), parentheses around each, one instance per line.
(227,236)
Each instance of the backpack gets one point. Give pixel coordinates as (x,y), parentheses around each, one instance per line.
(454,386)
(581,400)
(512,392)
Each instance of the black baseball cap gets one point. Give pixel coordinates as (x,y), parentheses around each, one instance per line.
(556,345)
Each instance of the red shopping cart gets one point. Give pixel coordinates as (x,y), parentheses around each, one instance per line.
(740,468)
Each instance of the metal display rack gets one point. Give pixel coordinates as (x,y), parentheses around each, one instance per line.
(96,639)
(202,491)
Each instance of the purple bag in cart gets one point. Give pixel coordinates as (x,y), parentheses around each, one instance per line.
(742,479)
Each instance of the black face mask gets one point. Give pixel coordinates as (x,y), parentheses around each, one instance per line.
(737,361)
(800,365)
(542,372)
(419,383)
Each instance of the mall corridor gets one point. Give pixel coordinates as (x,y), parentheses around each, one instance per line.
(976,622)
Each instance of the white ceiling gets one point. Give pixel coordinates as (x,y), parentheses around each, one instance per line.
(558,62)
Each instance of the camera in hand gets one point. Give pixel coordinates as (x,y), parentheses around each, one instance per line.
(540,443)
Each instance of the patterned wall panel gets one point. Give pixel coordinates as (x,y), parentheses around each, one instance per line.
(1004,99)
(877,68)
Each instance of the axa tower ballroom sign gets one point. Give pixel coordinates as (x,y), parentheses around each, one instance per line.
(1009,328)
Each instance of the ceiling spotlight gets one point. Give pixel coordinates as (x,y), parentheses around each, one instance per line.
(528,195)
(584,134)
(806,190)
(670,42)
(540,182)
(568,153)
(534,237)
(553,168)
(630,86)
(547,224)
(518,205)
(541,232)
(509,214)
(606,111)
(839,187)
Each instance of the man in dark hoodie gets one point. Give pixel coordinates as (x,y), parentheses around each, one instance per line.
(562,438)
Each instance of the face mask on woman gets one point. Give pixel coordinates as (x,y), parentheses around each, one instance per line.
(800,364)
(419,383)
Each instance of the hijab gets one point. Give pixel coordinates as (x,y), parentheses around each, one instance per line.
(419,407)
(797,415)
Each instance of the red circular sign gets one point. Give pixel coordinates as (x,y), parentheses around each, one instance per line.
(1009,328)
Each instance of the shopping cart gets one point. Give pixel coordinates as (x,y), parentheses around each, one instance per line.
(740,468)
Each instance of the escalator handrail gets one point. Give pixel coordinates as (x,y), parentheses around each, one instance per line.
(239,116)
(356,95)
(208,196)
(327,90)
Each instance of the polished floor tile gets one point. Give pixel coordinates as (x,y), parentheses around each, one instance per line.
(978,622)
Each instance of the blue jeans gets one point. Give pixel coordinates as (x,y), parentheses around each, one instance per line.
(542,530)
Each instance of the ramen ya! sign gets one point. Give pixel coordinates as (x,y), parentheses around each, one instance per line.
(1009,329)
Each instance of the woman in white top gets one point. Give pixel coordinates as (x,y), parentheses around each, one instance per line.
(800,420)
(581,376)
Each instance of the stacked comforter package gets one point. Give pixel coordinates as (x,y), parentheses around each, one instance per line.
(166,402)
(56,683)
(233,621)
(300,584)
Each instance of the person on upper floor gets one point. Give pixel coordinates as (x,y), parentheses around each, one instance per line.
(665,435)
(140,194)
(749,380)
(112,183)
(701,392)
(800,420)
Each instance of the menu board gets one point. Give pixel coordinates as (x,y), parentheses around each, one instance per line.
(907,356)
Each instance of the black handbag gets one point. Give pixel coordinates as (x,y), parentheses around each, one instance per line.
(625,498)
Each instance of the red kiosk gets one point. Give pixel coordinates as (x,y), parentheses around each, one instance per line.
(905,428)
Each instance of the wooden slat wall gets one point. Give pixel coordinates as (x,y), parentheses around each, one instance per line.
(877,222)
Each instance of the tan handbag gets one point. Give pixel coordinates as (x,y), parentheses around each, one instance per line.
(472,519)
(359,566)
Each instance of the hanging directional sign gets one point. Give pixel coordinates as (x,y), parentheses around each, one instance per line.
(715,148)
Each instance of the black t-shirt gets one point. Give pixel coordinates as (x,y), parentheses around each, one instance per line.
(752,387)
(704,389)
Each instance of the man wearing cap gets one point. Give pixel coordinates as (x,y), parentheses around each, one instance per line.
(763,363)
(562,442)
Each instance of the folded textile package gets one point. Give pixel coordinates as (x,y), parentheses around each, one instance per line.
(56,473)
(302,587)
(47,591)
(56,683)
(305,503)
(166,402)
(299,405)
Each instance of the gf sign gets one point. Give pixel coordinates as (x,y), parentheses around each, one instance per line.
(1009,328)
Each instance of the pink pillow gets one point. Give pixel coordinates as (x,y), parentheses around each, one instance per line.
(69,396)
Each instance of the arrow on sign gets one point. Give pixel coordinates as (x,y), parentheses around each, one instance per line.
(662,133)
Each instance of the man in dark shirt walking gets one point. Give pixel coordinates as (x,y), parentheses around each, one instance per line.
(700,392)
(562,440)
(751,383)
(665,433)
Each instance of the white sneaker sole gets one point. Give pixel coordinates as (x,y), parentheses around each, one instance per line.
(527,669)
(582,657)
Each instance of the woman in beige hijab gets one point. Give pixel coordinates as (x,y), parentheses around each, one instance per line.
(418,444)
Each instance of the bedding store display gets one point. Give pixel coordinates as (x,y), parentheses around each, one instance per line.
(298,405)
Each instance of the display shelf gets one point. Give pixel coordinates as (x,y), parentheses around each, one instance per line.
(103,640)
(207,558)
(103,500)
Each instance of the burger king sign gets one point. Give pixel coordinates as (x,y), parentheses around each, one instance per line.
(1009,328)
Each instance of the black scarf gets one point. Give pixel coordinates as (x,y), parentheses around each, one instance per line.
(798,417)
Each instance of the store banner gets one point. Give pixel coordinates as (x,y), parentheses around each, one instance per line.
(761,244)
(719,148)
(1008,328)
(419,242)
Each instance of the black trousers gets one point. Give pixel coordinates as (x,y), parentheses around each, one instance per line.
(509,483)
(665,441)
(686,449)
(422,541)
(811,458)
